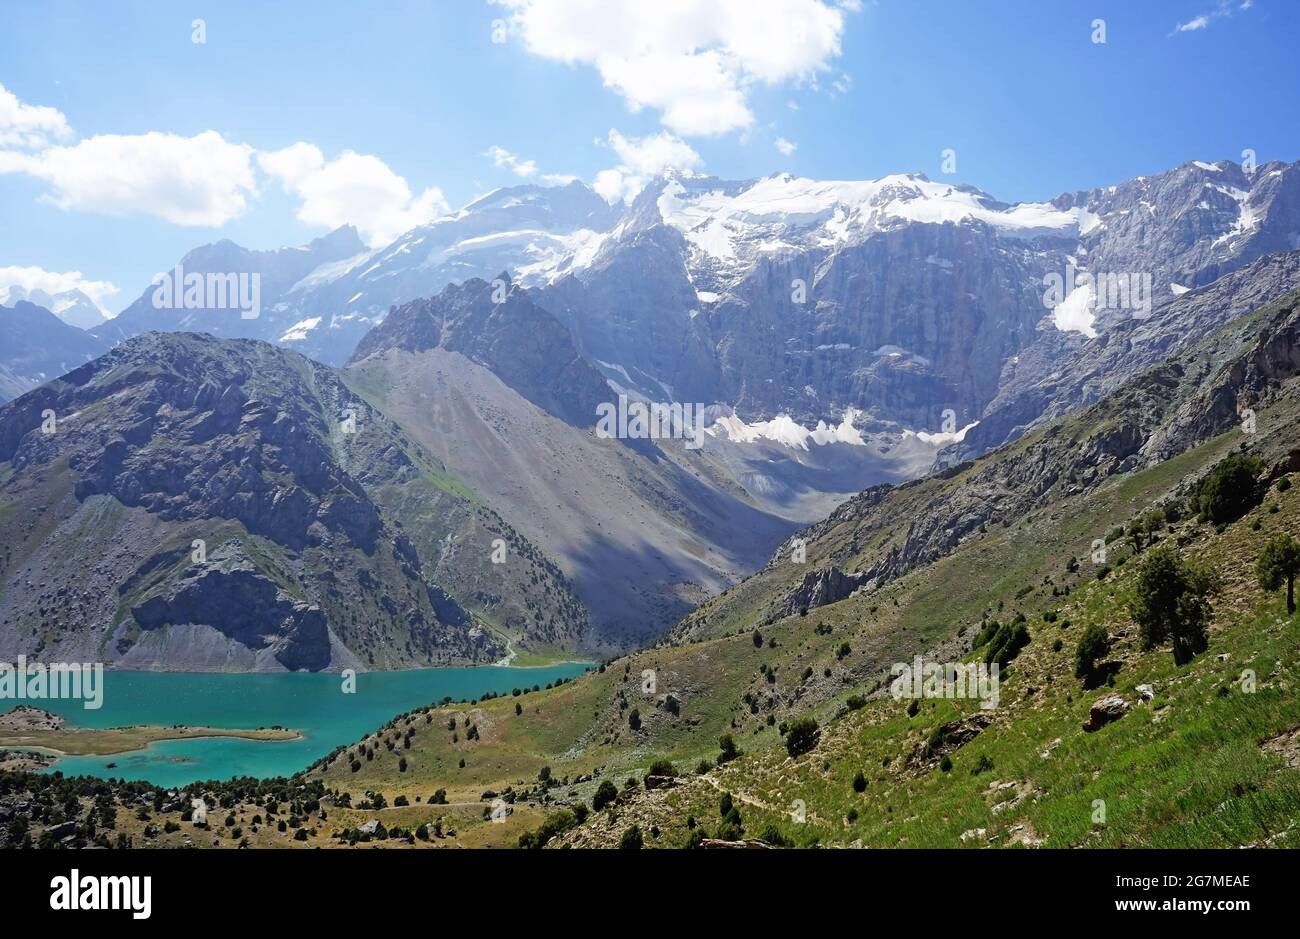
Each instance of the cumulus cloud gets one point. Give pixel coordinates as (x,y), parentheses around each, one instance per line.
(785,146)
(205,179)
(640,160)
(29,126)
(691,60)
(199,180)
(354,188)
(504,159)
(55,282)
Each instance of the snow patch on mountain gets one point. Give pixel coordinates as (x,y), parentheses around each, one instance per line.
(789,433)
(299,330)
(940,438)
(785,212)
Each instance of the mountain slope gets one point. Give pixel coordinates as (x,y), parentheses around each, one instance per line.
(36,346)
(644,528)
(1102,364)
(280,274)
(743,665)
(284,476)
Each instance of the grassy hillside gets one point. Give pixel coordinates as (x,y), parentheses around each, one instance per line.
(736,667)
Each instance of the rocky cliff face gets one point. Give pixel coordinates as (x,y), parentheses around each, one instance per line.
(190,502)
(1044,384)
(499,326)
(1192,397)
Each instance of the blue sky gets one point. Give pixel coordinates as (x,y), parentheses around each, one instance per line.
(103,171)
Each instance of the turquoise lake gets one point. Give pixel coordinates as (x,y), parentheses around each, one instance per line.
(313,704)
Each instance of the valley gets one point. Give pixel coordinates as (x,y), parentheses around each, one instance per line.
(242,532)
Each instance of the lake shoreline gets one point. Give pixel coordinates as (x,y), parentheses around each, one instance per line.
(173,727)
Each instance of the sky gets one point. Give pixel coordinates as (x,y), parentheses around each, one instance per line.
(132,132)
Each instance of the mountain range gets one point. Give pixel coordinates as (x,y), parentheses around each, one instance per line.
(838,335)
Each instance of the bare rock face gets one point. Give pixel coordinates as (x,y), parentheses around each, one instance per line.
(499,326)
(232,596)
(1105,711)
(1046,384)
(193,504)
(820,587)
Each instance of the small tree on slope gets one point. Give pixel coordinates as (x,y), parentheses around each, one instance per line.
(1279,563)
(1171,601)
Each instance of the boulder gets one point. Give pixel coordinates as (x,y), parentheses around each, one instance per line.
(1105,711)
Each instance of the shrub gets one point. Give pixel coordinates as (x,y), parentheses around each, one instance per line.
(631,839)
(987,632)
(1007,643)
(1228,492)
(945,765)
(1171,601)
(802,737)
(859,782)
(662,768)
(606,793)
(1284,484)
(1094,645)
(1278,564)
(774,837)
(729,751)
(553,825)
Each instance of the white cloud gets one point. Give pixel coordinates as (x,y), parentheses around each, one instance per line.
(785,146)
(199,180)
(504,159)
(354,188)
(29,126)
(640,160)
(1224,10)
(691,60)
(55,282)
